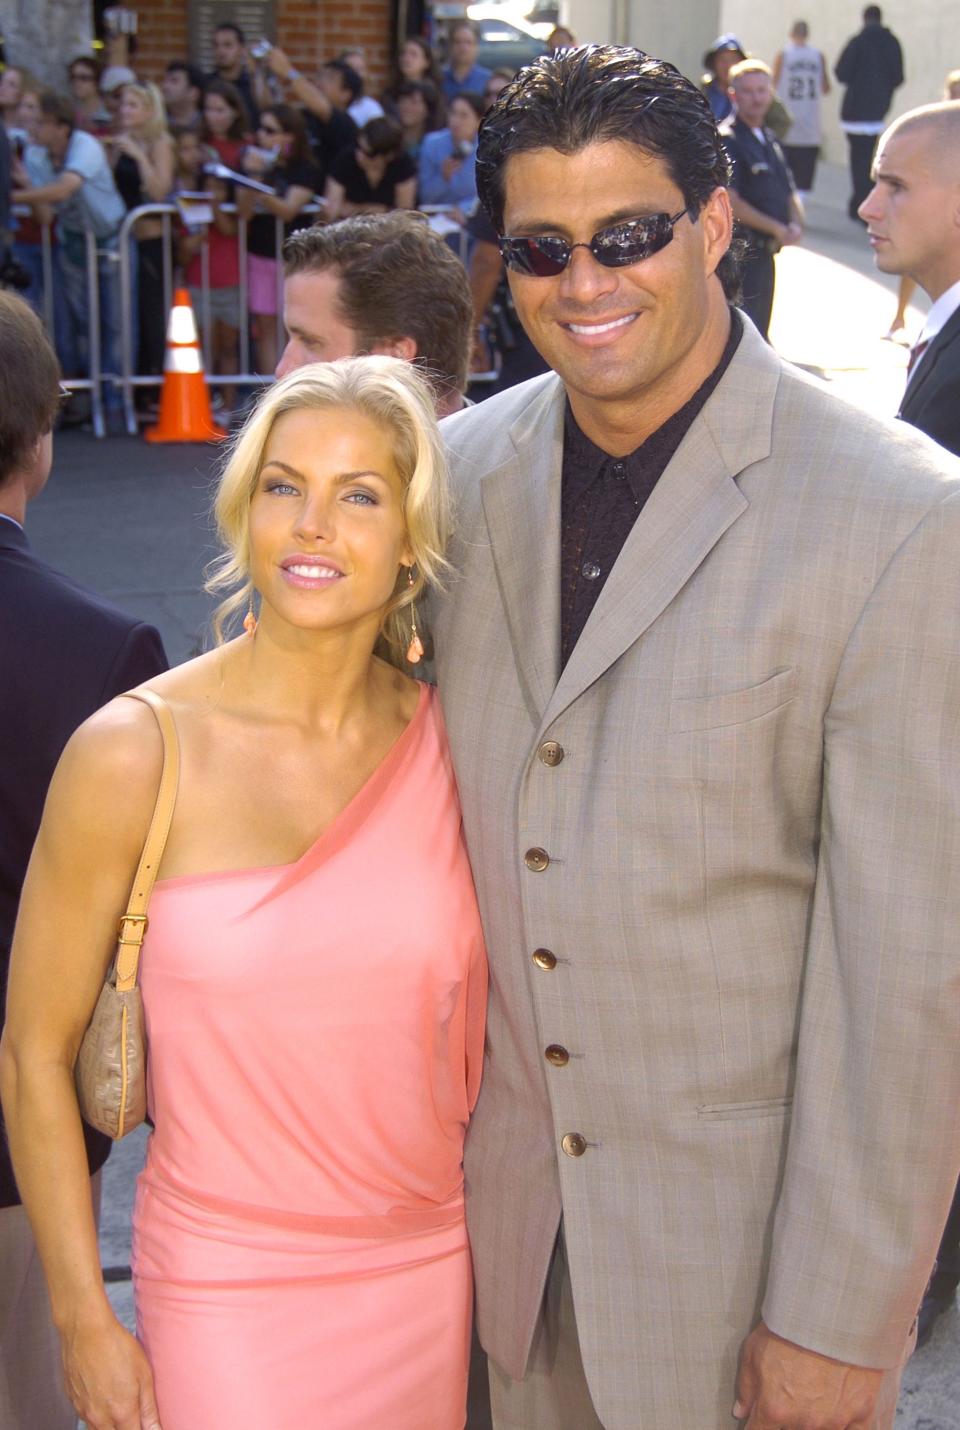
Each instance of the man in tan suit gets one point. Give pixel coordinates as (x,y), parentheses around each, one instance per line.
(700,671)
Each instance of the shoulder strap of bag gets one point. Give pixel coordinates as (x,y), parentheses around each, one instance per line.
(133,925)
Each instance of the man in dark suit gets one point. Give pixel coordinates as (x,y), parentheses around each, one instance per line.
(913,221)
(63,653)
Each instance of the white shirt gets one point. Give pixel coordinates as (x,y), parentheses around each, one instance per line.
(940,313)
(801,82)
(362,110)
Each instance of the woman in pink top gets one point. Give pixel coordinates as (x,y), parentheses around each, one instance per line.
(313,974)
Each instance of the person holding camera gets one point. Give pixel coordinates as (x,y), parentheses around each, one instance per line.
(448,158)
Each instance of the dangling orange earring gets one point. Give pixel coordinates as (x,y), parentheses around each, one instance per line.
(250,619)
(415,648)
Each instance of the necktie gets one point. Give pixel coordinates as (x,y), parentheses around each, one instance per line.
(916,353)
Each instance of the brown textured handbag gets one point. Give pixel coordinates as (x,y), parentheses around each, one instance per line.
(111,1069)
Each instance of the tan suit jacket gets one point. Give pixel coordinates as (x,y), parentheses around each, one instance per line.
(751,893)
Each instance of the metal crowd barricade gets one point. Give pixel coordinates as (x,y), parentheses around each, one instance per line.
(130,380)
(93,383)
(463,238)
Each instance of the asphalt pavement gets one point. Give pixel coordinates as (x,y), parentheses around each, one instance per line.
(132,521)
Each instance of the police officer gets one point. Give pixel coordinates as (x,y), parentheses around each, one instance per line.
(762,191)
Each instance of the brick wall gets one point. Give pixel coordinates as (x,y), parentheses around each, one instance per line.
(310,31)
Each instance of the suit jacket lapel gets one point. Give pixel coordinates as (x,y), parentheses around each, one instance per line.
(13,536)
(695,501)
(693,504)
(521,504)
(928,363)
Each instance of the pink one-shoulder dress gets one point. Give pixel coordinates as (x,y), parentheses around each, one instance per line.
(315,1043)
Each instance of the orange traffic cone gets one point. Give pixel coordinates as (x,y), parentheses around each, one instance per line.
(185,414)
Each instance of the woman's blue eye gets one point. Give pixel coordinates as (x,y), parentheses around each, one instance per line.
(282,487)
(362,498)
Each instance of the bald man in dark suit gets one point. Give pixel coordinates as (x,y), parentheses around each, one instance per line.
(913,221)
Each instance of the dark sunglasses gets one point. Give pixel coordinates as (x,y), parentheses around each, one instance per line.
(615,247)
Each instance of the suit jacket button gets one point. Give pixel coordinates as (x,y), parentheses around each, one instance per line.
(544,959)
(550,753)
(574,1145)
(556,1055)
(536,859)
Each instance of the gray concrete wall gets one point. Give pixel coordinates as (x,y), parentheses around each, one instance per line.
(43,36)
(675,30)
(680,30)
(928,30)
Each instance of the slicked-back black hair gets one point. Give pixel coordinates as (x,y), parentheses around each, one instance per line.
(596,94)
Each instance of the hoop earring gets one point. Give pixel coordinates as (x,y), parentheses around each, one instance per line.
(250,619)
(415,648)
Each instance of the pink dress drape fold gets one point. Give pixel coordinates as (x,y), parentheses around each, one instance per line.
(315,1044)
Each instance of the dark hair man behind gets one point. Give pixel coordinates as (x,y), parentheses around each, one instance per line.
(378,283)
(699,675)
(871,67)
(63,653)
(182,87)
(230,64)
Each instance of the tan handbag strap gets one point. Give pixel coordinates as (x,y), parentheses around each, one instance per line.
(133,925)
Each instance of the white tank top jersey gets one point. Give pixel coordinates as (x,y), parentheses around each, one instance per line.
(800,83)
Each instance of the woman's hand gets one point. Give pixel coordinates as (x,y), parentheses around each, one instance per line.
(126,144)
(254,162)
(450,166)
(277,63)
(108,1376)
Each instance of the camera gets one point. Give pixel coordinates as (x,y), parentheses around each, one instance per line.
(119,20)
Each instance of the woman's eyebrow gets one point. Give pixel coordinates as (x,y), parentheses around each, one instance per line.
(341,477)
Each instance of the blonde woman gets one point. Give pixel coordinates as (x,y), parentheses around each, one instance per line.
(313,974)
(143,156)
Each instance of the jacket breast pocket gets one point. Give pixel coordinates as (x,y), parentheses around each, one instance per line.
(734,707)
(742,1111)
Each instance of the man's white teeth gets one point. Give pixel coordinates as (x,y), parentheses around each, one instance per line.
(590,328)
(319,573)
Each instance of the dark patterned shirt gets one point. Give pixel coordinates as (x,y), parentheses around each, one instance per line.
(602,496)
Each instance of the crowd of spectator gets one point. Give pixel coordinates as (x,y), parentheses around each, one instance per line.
(251,142)
(255,149)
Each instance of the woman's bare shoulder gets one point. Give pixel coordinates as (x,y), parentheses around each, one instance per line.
(116,756)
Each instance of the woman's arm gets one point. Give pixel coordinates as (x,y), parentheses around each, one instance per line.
(94,825)
(288,205)
(303,90)
(405,194)
(248,202)
(333,197)
(156,168)
(219,195)
(155,163)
